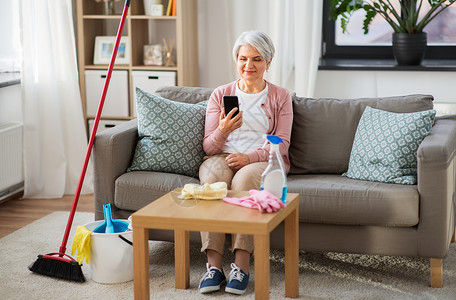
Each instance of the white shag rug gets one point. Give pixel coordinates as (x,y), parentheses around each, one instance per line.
(322,275)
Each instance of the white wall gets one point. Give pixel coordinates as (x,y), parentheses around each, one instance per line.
(349,84)
(10,36)
(358,84)
(216,67)
(10,104)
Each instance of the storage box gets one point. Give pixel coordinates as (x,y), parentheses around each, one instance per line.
(104,124)
(116,103)
(149,81)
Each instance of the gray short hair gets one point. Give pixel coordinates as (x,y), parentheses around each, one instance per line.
(257,39)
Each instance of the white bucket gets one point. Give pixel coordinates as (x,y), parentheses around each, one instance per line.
(111,257)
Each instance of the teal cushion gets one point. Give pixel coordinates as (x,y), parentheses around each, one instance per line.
(386,143)
(170,135)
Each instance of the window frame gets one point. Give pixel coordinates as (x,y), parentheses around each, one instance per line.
(333,51)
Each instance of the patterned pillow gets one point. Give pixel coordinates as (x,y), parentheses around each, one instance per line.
(386,143)
(170,135)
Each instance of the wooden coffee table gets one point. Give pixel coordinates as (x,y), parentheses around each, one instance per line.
(168,212)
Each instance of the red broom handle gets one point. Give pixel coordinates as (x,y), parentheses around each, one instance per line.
(62,249)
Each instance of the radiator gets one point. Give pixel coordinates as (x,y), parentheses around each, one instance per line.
(11,170)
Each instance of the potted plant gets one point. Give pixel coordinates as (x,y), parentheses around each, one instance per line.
(407,20)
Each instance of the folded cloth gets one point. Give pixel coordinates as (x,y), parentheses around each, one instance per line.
(212,191)
(263,200)
(81,242)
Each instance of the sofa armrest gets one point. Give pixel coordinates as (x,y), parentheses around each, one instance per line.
(436,186)
(112,154)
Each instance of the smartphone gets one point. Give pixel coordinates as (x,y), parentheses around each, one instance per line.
(230,102)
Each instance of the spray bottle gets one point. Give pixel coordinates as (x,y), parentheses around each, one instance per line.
(274,177)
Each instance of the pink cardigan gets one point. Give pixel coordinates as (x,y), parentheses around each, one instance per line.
(278,108)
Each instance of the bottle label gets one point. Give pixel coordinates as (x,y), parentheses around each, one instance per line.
(273,183)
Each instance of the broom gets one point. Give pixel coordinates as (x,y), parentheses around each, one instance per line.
(60,265)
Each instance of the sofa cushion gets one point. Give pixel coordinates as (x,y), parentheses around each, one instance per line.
(184,94)
(135,190)
(170,135)
(324,129)
(334,199)
(386,143)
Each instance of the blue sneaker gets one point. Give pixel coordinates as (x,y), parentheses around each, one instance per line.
(237,281)
(212,280)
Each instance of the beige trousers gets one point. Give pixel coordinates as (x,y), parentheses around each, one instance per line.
(215,169)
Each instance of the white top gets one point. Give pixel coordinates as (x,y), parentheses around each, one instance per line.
(255,124)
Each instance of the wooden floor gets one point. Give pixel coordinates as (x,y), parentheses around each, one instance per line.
(17,213)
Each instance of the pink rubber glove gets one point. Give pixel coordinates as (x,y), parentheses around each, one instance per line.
(267,201)
(264,201)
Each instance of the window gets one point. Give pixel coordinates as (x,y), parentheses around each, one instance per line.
(377,43)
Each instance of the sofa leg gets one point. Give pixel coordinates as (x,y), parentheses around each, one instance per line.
(453,238)
(436,273)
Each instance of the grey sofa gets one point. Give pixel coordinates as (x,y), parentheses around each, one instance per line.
(336,213)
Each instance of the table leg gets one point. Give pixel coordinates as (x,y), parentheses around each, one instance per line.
(292,255)
(262,276)
(141,262)
(182,258)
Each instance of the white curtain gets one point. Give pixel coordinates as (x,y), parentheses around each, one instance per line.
(54,134)
(295,27)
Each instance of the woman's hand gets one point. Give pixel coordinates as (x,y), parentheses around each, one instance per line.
(229,124)
(237,160)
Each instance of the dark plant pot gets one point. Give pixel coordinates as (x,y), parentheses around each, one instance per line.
(409,49)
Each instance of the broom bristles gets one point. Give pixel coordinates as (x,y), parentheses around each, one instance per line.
(58,267)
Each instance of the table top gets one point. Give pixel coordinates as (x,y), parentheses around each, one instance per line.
(169,212)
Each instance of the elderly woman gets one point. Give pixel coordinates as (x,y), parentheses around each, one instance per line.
(236,148)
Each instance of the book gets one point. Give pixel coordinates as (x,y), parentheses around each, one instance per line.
(173,8)
(169,9)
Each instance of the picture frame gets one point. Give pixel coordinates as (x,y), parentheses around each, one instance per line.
(104,46)
(153,55)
